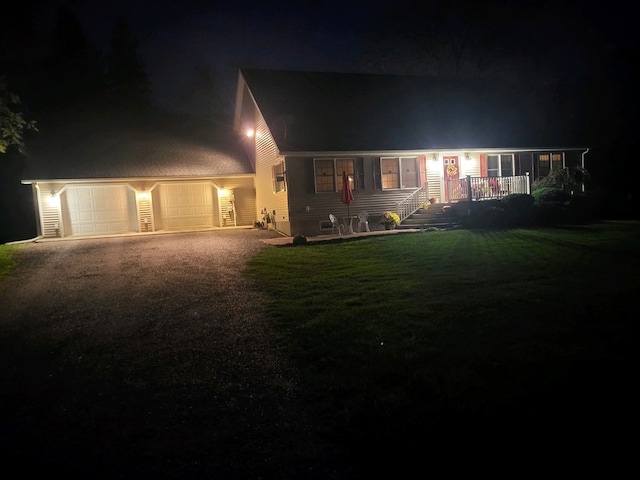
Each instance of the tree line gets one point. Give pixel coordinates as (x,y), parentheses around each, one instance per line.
(65,73)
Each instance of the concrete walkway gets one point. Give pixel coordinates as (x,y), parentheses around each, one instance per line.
(284,240)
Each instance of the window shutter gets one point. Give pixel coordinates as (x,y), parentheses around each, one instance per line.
(483,164)
(423,170)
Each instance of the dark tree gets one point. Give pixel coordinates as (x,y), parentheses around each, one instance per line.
(13,125)
(452,37)
(129,86)
(74,76)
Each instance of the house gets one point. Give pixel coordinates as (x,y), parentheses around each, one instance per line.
(110,174)
(401,140)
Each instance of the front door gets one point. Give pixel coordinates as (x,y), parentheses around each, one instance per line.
(451,172)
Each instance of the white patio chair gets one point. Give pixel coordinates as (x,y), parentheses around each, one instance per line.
(335,225)
(363,221)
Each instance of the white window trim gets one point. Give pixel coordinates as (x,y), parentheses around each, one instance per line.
(337,177)
(400,182)
(279,185)
(499,155)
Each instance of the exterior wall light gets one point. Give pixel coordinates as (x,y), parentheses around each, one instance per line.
(54,200)
(144,195)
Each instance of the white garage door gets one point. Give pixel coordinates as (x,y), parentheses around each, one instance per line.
(99,210)
(186,206)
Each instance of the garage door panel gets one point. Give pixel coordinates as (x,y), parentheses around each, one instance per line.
(187,206)
(98,209)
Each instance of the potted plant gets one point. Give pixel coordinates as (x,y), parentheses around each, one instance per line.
(390,220)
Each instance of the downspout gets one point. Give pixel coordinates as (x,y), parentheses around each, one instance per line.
(582,164)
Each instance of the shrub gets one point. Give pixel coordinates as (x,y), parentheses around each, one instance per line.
(568,179)
(549,194)
(489,214)
(520,205)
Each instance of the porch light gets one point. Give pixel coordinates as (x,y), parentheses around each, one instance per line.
(434,157)
(223,192)
(250,132)
(54,200)
(144,195)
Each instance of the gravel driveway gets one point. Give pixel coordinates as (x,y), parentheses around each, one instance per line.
(149,357)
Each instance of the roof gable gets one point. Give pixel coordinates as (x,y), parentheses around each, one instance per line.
(318,111)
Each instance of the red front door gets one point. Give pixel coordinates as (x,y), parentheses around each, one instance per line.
(451,172)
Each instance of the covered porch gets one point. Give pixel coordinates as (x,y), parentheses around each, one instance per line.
(486,188)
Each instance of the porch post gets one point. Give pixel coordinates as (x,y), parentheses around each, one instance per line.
(528,183)
(469,195)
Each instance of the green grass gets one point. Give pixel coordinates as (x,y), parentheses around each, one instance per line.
(448,331)
(6,259)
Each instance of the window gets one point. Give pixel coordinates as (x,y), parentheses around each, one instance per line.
(399,172)
(390,172)
(277,174)
(548,162)
(500,165)
(493,167)
(328,173)
(544,166)
(506,165)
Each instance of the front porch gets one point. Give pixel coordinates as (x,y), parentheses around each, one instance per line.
(465,189)
(486,188)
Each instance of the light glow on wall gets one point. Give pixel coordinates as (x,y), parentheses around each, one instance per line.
(144,195)
(54,200)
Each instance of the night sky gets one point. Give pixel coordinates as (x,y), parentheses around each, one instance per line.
(180,40)
(192,50)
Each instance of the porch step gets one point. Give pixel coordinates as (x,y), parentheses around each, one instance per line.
(434,216)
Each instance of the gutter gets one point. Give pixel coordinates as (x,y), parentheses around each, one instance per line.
(582,161)
(583,154)
(30,181)
(427,151)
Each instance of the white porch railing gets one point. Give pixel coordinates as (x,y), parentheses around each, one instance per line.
(483,188)
(412,203)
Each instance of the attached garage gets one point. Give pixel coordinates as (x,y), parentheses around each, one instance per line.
(98,210)
(106,175)
(185,206)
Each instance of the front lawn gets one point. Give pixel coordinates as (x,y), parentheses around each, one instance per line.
(6,259)
(414,343)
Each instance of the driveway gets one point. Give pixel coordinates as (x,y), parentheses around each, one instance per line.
(149,357)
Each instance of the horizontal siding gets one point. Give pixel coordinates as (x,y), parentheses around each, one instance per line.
(470,165)
(309,209)
(245,205)
(266,157)
(50,213)
(145,214)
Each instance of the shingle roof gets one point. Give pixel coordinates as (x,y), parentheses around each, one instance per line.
(318,111)
(110,146)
